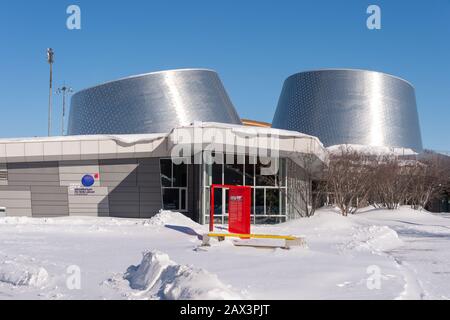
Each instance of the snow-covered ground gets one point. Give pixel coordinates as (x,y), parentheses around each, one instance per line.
(377,254)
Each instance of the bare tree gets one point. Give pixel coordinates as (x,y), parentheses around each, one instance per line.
(391,182)
(429,178)
(348,179)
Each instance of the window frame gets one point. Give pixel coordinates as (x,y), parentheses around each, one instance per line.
(172,187)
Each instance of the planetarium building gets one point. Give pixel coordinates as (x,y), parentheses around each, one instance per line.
(139,144)
(345,106)
(151,103)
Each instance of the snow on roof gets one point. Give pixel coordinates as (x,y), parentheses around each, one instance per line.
(140,138)
(132,138)
(83,146)
(372,150)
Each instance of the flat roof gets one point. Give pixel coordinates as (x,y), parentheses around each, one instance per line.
(67,148)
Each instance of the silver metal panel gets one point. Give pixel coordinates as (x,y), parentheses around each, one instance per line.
(151,103)
(350,107)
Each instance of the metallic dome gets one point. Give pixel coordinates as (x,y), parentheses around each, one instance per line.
(342,106)
(151,103)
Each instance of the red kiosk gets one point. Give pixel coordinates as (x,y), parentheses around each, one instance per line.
(239,207)
(239,224)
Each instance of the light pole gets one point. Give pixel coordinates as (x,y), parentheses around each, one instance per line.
(63,91)
(50,60)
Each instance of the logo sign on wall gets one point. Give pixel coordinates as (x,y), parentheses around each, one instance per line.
(87,181)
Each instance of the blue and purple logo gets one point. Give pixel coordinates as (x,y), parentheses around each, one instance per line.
(88,180)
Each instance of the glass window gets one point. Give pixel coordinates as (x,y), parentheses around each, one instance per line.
(217,201)
(171,199)
(234,173)
(264,180)
(183,199)
(217,173)
(283,201)
(272,201)
(249,171)
(269,220)
(166,172)
(174,185)
(282,173)
(180,175)
(227,200)
(259,201)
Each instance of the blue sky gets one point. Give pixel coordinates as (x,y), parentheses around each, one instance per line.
(253,44)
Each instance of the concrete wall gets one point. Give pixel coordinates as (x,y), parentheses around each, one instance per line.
(126,187)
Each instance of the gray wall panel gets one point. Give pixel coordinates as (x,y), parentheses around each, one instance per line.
(43,205)
(33,174)
(17,201)
(71,172)
(130,189)
(118,172)
(18,212)
(50,211)
(95,204)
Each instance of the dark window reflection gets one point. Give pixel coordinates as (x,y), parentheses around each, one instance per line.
(234,173)
(269,220)
(249,171)
(272,202)
(183,199)
(171,199)
(264,180)
(180,175)
(217,201)
(166,172)
(217,173)
(259,201)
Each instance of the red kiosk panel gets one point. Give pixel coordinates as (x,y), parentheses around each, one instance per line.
(239,208)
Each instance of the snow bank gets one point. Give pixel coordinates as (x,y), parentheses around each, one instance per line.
(20,274)
(375,238)
(161,278)
(161,219)
(164,218)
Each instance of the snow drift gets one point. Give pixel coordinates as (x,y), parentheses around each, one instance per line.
(164,218)
(161,278)
(21,274)
(375,238)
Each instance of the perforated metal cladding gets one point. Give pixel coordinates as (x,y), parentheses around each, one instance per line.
(151,103)
(350,107)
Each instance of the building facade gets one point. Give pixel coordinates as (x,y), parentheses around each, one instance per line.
(151,103)
(344,106)
(135,176)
